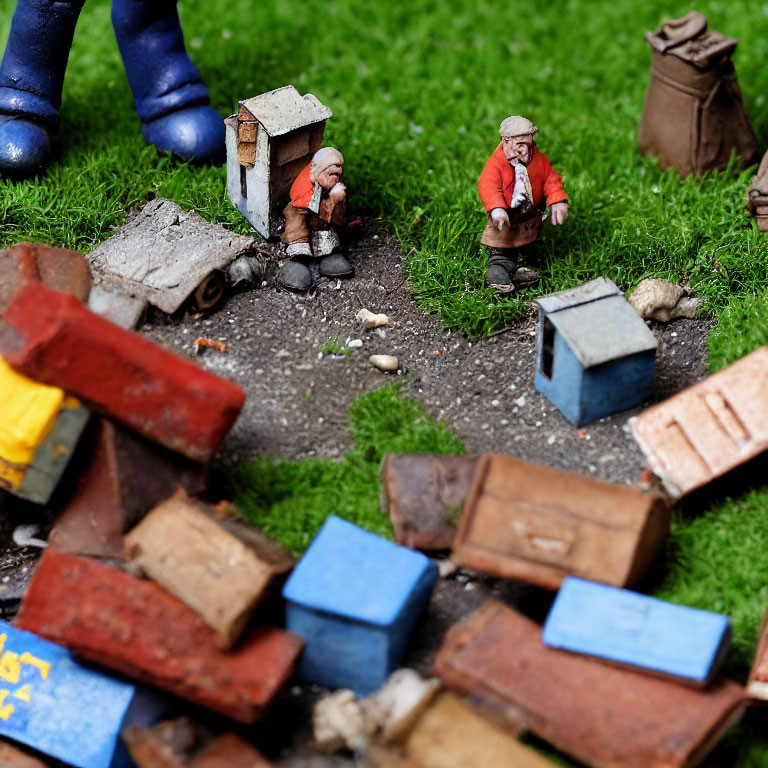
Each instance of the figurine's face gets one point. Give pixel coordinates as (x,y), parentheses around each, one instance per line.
(329,177)
(518,149)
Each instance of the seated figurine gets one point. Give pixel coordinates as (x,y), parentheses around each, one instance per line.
(316,209)
(514,186)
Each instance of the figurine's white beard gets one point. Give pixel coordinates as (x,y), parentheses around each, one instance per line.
(522,191)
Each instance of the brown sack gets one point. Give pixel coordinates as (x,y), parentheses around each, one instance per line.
(694,115)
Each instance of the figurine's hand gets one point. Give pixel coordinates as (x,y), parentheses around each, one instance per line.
(338,193)
(499,218)
(559,213)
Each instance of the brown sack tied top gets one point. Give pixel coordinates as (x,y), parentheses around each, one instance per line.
(694,116)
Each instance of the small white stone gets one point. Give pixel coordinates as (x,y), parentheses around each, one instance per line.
(384,362)
(355,343)
(520,401)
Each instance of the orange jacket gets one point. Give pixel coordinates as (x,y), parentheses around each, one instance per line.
(497,181)
(302,189)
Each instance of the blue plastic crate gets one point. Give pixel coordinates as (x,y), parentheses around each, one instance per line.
(61,708)
(637,630)
(355,598)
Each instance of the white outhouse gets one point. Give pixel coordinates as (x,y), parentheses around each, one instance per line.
(269,141)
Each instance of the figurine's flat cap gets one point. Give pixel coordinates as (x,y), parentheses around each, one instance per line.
(326,156)
(516,125)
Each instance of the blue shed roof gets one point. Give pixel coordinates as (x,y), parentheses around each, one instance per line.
(597,322)
(351,573)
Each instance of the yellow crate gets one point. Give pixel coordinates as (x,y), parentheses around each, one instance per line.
(28,412)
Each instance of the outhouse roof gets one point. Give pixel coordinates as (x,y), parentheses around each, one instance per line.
(284,110)
(597,322)
(350,573)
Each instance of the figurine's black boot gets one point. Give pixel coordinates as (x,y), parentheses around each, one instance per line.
(501,267)
(525,277)
(171,98)
(31,79)
(335,265)
(295,276)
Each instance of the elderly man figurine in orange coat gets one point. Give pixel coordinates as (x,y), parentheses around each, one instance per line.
(515,185)
(317,207)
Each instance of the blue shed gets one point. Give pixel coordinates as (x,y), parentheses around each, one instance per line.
(596,356)
(355,598)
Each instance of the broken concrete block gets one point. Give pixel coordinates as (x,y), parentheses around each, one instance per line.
(165,255)
(341,721)
(40,428)
(270,140)
(135,627)
(189,554)
(423,495)
(123,476)
(634,630)
(354,641)
(602,715)
(655,299)
(59,268)
(757,685)
(595,355)
(708,429)
(119,308)
(392,710)
(13,757)
(50,337)
(450,733)
(59,707)
(180,743)
(535,524)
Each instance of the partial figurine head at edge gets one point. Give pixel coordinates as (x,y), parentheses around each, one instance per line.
(326,167)
(517,134)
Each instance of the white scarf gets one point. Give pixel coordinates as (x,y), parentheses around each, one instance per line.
(523,190)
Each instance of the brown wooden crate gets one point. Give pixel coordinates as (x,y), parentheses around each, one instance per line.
(246,154)
(452,734)
(535,524)
(185,550)
(247,132)
(244,114)
(423,494)
(605,716)
(710,428)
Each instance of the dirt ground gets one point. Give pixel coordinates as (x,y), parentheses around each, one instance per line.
(297,399)
(296,407)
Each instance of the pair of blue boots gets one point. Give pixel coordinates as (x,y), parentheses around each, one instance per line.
(171,99)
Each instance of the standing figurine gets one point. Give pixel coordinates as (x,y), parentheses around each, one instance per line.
(171,99)
(317,207)
(516,181)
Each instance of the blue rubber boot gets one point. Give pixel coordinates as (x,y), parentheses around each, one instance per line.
(171,98)
(31,79)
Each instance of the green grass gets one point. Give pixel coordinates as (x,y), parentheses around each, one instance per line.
(290,500)
(334,347)
(418,90)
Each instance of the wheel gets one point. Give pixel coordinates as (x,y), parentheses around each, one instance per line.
(210,292)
